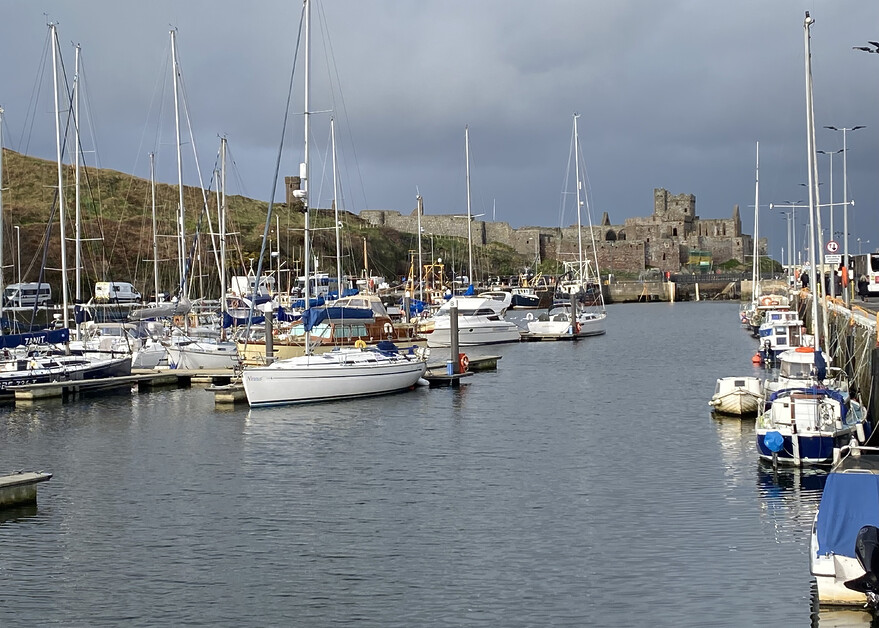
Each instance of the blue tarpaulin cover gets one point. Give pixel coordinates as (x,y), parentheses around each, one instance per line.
(850,501)
(317,315)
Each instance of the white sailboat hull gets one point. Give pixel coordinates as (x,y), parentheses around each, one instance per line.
(335,375)
(474,331)
(203,355)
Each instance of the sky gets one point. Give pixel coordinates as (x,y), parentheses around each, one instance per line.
(673,94)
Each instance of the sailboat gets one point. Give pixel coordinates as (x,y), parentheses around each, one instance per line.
(341,373)
(580,310)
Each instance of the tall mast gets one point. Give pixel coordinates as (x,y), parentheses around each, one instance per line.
(155,236)
(181,215)
(579,203)
(755,256)
(336,206)
(2,285)
(469,215)
(78,222)
(221,218)
(65,296)
(303,169)
(813,192)
(420,210)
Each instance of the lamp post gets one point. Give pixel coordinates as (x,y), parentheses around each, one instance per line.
(18,250)
(831,153)
(792,242)
(859,244)
(845,130)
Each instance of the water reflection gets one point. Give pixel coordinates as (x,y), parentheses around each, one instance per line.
(789,498)
(838,616)
(18,513)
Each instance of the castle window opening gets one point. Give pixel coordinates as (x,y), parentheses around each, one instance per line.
(674,232)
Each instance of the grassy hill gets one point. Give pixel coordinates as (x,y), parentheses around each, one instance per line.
(116,218)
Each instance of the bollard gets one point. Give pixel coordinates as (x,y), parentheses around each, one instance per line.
(453,337)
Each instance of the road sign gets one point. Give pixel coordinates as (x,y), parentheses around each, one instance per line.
(833,259)
(832,246)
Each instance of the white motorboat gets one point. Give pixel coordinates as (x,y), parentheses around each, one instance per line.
(844,540)
(737,396)
(558,323)
(479,323)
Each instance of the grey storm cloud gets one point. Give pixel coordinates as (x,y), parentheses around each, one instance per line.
(671,94)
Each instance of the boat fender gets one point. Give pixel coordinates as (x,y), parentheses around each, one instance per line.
(774,441)
(859,429)
(360,343)
(463,362)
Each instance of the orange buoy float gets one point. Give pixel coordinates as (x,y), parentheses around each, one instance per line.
(757,359)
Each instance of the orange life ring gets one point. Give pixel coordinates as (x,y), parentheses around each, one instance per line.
(765,301)
(577,327)
(463,362)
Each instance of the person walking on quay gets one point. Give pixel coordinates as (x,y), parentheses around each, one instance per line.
(804,277)
(862,287)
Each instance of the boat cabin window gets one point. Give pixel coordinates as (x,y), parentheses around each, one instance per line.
(739,383)
(795,369)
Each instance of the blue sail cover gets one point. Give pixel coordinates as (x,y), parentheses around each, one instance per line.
(47,336)
(315,316)
(850,501)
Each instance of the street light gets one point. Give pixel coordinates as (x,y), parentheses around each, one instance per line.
(859,244)
(845,192)
(831,153)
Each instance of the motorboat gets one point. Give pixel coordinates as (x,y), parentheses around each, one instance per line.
(339,374)
(844,543)
(809,414)
(479,323)
(560,324)
(781,330)
(737,396)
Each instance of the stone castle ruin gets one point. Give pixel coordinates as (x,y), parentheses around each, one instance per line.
(663,241)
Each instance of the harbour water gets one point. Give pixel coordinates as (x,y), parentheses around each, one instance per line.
(582,484)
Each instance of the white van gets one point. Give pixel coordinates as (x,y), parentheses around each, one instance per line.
(27,294)
(116,292)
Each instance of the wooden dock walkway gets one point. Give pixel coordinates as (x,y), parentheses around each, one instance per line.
(141,380)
